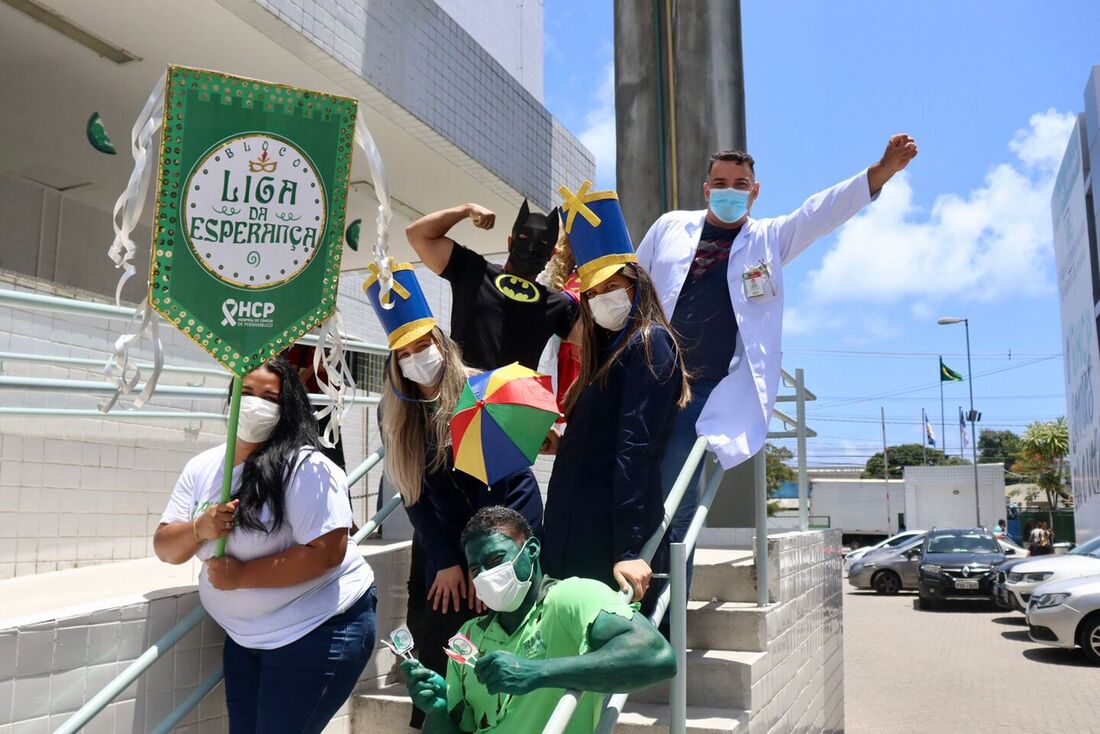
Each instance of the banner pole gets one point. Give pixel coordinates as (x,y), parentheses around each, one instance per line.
(230,451)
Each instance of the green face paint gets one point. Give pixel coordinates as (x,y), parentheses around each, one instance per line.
(351,234)
(484,552)
(97,135)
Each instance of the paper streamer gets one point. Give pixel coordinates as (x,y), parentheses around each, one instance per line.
(381,190)
(335,379)
(127,211)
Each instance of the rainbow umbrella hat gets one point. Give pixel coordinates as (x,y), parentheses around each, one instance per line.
(501,420)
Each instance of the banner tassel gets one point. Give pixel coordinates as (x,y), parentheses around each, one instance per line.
(334,377)
(127,212)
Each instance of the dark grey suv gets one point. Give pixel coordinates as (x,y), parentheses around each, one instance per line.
(957,563)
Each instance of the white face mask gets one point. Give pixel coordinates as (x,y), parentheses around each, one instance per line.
(257,419)
(500,589)
(610,310)
(422,367)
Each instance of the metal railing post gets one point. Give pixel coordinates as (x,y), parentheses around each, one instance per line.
(760,487)
(800,428)
(613,705)
(677,702)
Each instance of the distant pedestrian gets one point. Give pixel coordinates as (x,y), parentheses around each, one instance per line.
(1039,541)
(1001,530)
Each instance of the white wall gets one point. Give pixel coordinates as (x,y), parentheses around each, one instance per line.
(869,506)
(510,30)
(943,496)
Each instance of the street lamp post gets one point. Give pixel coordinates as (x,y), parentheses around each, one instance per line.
(946,321)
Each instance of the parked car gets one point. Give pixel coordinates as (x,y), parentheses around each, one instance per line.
(1000,581)
(905,537)
(957,563)
(888,570)
(1067,614)
(1022,580)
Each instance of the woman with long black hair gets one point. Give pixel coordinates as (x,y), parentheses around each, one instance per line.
(295,597)
(604,498)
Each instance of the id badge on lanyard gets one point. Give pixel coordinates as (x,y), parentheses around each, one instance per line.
(757,279)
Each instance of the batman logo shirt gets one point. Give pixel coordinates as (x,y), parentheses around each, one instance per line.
(518,289)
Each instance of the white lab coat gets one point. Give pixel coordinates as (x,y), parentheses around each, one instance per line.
(736,416)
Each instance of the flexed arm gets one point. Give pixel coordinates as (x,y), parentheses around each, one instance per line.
(428,235)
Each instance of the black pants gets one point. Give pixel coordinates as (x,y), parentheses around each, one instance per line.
(430,628)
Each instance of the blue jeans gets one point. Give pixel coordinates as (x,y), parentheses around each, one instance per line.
(676,453)
(298,687)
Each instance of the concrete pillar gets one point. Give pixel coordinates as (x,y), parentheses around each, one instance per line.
(670,117)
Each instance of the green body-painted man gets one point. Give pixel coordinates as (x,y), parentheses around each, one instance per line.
(545,636)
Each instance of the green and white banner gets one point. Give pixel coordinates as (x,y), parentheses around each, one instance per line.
(249,221)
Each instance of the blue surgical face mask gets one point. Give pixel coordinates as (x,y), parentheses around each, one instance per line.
(729,205)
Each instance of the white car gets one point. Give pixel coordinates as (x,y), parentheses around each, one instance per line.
(1023,579)
(894,541)
(1067,614)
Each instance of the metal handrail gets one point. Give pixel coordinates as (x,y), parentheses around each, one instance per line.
(96,387)
(567,704)
(135,670)
(98,363)
(680,552)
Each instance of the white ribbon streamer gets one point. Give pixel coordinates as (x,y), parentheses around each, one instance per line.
(381,190)
(132,200)
(334,377)
(125,217)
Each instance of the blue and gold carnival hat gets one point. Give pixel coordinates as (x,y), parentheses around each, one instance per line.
(597,233)
(405,314)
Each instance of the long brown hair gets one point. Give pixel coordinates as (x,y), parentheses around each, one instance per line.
(646,316)
(410,426)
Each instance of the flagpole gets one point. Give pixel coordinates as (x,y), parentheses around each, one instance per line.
(943,419)
(230,451)
(886,464)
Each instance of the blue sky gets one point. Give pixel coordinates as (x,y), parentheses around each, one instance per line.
(987,89)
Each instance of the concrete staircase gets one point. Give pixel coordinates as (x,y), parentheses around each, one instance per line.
(727,639)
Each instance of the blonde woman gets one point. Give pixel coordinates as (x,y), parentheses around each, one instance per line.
(423,380)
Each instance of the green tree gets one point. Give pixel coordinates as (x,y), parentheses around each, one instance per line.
(1044,452)
(777,470)
(1000,446)
(907,454)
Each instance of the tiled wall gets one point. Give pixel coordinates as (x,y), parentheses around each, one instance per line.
(52,663)
(802,690)
(415,64)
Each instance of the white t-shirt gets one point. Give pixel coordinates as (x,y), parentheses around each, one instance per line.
(316,503)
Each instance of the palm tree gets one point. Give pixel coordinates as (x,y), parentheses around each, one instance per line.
(1043,453)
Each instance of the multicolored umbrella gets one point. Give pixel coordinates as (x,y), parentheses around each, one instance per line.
(501,420)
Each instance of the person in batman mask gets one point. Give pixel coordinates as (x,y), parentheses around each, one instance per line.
(499,314)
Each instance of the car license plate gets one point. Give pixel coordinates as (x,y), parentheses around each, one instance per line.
(966,583)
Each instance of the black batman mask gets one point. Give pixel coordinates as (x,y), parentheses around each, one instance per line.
(533,238)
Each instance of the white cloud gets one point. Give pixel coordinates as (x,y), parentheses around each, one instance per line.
(598,134)
(1043,143)
(990,244)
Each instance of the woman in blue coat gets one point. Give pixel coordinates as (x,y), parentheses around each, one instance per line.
(604,498)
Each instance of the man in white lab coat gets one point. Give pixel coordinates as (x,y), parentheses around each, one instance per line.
(720,276)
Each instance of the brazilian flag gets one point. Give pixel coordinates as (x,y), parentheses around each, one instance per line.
(947,374)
